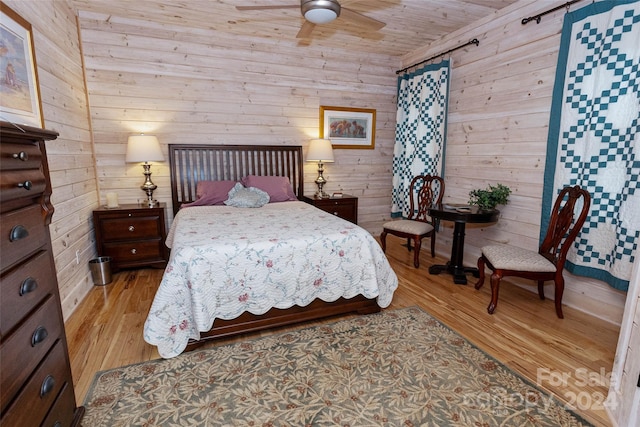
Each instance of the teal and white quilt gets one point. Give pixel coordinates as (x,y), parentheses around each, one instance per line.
(421,130)
(594,136)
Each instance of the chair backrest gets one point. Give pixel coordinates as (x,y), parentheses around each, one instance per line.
(563,226)
(425,191)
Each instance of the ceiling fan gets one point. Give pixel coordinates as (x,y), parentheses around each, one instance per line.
(322,12)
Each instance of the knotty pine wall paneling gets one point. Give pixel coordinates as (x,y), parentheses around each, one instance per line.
(202,85)
(189,85)
(500,100)
(70,156)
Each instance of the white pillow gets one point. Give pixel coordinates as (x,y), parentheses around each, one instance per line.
(242,197)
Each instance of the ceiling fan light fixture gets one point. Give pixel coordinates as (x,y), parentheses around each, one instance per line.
(320,11)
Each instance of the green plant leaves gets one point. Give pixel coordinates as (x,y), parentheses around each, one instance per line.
(490,197)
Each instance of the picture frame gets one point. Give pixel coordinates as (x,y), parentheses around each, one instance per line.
(20,102)
(348,127)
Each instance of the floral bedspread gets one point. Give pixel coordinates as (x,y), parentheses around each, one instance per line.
(226,260)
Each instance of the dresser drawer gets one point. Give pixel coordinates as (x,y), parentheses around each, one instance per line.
(18,184)
(22,289)
(341,210)
(26,347)
(130,228)
(132,252)
(20,156)
(40,392)
(345,207)
(22,232)
(62,412)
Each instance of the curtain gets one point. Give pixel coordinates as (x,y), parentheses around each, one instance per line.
(421,128)
(594,136)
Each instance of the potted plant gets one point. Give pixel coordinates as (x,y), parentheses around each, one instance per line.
(490,197)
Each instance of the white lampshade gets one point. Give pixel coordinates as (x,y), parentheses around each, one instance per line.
(143,148)
(320,11)
(320,150)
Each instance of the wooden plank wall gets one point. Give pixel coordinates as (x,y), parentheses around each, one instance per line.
(499,108)
(190,85)
(626,366)
(70,157)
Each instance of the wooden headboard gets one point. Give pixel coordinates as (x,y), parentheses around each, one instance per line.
(190,163)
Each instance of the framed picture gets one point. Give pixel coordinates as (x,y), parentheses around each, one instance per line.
(348,127)
(19,91)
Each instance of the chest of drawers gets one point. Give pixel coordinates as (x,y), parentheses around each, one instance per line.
(36,387)
(132,235)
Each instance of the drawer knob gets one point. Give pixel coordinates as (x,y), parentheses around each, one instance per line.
(21,156)
(28,285)
(39,335)
(131,228)
(47,385)
(18,232)
(134,251)
(27,185)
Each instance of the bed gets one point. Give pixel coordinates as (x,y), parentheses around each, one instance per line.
(234,270)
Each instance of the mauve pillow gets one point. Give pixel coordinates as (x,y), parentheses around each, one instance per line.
(278,187)
(210,193)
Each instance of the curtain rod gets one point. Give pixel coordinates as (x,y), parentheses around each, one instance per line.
(538,17)
(474,41)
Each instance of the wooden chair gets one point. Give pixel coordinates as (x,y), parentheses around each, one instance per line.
(425,191)
(548,262)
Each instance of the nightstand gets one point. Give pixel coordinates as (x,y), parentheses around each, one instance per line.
(132,235)
(346,207)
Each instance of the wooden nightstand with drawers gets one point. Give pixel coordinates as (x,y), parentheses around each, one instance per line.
(132,235)
(346,207)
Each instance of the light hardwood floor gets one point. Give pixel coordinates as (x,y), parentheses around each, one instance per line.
(566,357)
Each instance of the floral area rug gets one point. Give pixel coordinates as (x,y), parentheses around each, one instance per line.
(394,368)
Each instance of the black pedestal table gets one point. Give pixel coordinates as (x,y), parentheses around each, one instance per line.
(460,216)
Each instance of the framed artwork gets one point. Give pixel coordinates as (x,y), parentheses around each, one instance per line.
(19,92)
(348,127)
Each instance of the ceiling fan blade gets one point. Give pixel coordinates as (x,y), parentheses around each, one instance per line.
(347,3)
(281,6)
(360,19)
(305,30)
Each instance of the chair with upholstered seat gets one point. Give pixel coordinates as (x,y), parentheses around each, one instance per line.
(546,264)
(425,191)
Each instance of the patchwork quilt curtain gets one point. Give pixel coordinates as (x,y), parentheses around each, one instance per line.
(421,129)
(594,136)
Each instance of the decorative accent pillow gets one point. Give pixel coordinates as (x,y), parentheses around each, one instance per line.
(278,187)
(242,197)
(210,193)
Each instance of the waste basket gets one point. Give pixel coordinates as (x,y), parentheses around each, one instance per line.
(101,270)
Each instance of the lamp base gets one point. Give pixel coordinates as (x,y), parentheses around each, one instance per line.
(320,194)
(320,182)
(151,203)
(148,185)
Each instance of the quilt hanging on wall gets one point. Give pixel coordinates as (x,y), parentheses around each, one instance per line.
(594,136)
(421,129)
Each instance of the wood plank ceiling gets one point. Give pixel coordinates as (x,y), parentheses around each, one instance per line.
(410,24)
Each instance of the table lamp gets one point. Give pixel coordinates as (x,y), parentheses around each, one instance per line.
(145,148)
(320,151)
